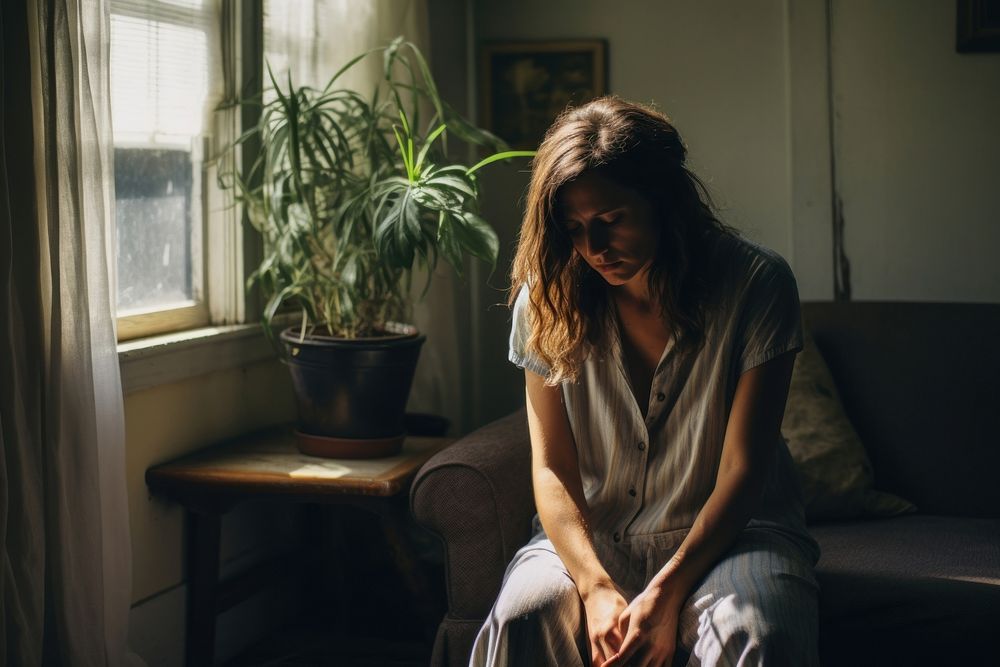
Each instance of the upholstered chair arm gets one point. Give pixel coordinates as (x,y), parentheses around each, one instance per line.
(477,496)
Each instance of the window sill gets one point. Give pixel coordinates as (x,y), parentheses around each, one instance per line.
(156,360)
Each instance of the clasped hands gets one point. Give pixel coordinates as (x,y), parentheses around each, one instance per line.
(640,633)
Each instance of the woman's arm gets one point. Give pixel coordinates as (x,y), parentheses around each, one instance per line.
(752,431)
(559,497)
(562,508)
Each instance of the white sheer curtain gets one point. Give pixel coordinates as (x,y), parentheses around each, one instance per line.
(66,555)
(315,38)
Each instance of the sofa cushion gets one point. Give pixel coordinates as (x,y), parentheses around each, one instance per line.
(833,468)
(914,589)
(921,384)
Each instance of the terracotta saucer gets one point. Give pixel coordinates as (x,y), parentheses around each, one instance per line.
(348,448)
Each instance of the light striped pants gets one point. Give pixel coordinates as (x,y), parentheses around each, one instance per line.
(756,606)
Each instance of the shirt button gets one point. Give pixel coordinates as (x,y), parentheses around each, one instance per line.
(631,492)
(642,446)
(618,537)
(661,396)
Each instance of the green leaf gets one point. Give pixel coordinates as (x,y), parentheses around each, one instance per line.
(272,307)
(435,199)
(350,273)
(448,242)
(500,156)
(406,126)
(478,238)
(402,151)
(468,132)
(389,56)
(427,145)
(452,178)
(349,65)
(432,91)
(394,233)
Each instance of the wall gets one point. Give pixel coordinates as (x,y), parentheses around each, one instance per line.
(161,424)
(748,86)
(445,376)
(918,153)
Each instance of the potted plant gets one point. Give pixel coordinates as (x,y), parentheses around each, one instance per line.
(349,195)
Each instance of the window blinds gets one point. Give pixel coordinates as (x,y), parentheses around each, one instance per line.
(165,74)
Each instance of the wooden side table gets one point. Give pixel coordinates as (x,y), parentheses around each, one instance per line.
(267,465)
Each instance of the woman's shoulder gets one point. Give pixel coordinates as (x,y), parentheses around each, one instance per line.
(522,296)
(521,314)
(736,246)
(744,261)
(521,326)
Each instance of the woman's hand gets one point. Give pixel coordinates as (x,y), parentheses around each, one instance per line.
(604,606)
(649,624)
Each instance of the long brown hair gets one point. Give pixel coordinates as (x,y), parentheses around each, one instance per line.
(638,148)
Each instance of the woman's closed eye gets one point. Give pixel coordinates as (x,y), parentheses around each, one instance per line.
(573,228)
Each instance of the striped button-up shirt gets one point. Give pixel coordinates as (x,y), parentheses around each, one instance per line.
(651,475)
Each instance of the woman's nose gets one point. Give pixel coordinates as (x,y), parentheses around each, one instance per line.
(596,239)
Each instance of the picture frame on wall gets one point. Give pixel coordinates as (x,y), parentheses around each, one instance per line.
(977,26)
(525,85)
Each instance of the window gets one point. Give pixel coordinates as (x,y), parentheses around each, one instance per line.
(181,249)
(165,80)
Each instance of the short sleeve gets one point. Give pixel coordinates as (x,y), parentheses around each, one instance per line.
(519,331)
(771,321)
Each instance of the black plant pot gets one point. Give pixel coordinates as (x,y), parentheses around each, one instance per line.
(352,393)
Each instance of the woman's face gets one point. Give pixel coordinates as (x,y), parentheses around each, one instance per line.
(612,227)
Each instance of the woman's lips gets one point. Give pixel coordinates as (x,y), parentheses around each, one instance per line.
(606,267)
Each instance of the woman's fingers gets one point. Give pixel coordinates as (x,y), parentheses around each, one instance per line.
(619,638)
(608,642)
(607,649)
(632,653)
(604,647)
(634,640)
(597,656)
(603,609)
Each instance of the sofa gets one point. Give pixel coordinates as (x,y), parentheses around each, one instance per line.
(920,382)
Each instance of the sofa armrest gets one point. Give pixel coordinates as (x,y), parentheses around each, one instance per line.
(477,496)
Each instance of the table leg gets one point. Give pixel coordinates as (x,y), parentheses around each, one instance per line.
(323,581)
(334,560)
(202,588)
(394,516)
